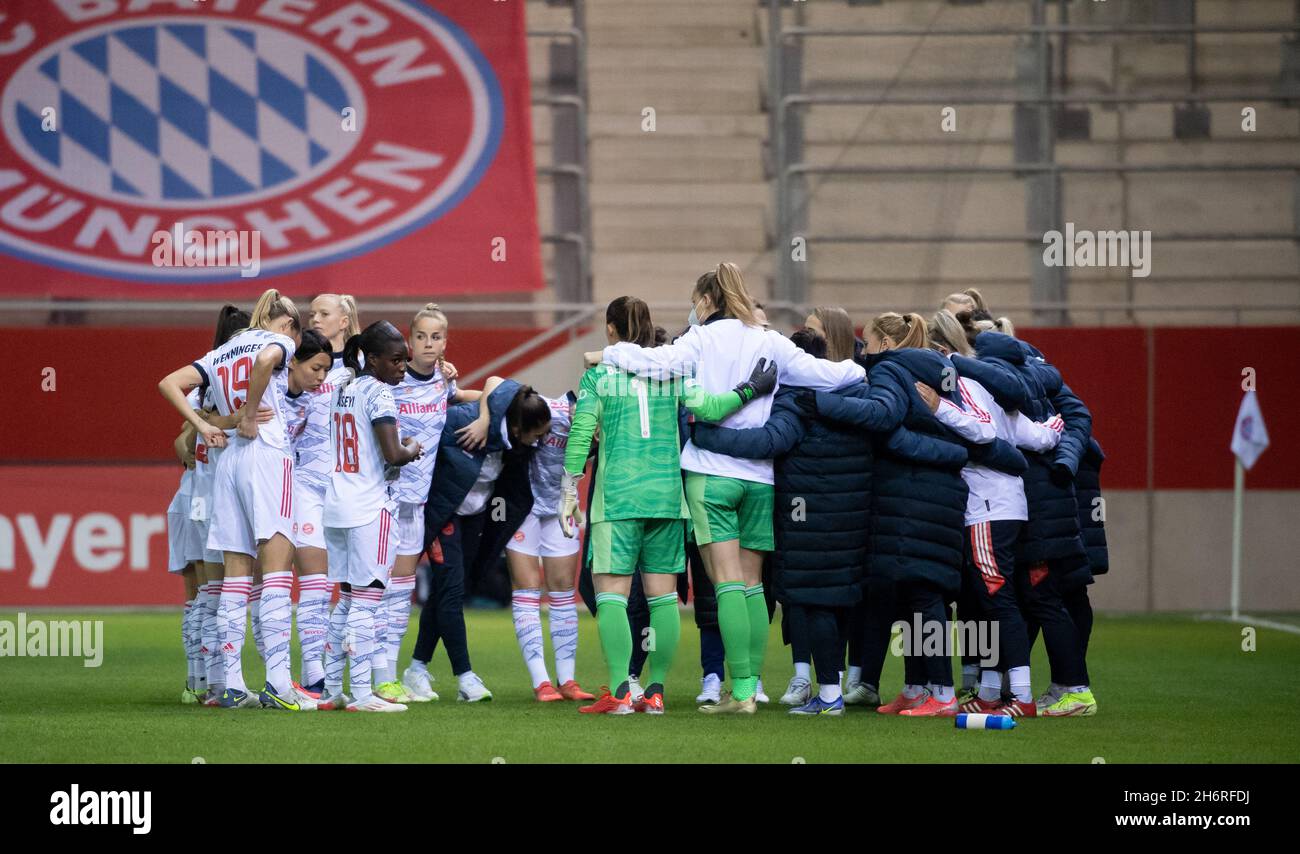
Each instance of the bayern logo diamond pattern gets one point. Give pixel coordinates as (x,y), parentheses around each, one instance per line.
(185,112)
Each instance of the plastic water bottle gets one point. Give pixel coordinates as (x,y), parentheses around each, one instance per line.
(974,721)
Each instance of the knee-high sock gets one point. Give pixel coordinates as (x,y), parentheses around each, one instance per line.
(196,639)
(187,641)
(255,618)
(232,622)
(665,632)
(210,637)
(313,623)
(756,605)
(526,609)
(361,637)
(379,648)
(336,655)
(277,625)
(564,632)
(615,636)
(733,622)
(397,602)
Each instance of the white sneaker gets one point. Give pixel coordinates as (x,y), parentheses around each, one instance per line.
(306,702)
(710,690)
(634,687)
(759,696)
(797,693)
(472,689)
(333,702)
(416,683)
(374,704)
(860,694)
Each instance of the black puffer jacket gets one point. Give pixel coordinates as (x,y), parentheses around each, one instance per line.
(822,480)
(1092,517)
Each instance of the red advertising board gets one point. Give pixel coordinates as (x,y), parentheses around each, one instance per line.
(358,146)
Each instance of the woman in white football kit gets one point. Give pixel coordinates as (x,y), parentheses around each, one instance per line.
(360,534)
(540,536)
(422,398)
(252,492)
(334,317)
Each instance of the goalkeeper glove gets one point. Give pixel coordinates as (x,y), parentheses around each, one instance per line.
(571,516)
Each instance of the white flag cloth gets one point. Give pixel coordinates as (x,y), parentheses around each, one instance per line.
(1249,438)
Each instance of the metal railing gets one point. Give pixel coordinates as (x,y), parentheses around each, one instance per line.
(1032,92)
(570,167)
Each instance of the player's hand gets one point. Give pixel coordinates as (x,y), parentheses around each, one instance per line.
(593,358)
(213,437)
(762,381)
(247,427)
(929,395)
(449,371)
(571,516)
(415,447)
(473,436)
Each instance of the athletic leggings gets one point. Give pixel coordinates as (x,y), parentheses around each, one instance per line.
(443,616)
(825,627)
(879,611)
(1045,608)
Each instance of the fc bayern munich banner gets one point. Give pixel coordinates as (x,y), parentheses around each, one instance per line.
(214,148)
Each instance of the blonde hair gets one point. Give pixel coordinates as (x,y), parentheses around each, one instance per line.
(725,287)
(905,330)
(969,299)
(431,311)
(973,327)
(348,305)
(271,306)
(947,330)
(838,327)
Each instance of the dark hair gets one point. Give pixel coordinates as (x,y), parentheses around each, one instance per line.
(630,318)
(312,345)
(372,341)
(810,342)
(230,319)
(661,336)
(528,411)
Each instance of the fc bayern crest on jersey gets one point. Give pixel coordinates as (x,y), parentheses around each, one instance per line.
(290,121)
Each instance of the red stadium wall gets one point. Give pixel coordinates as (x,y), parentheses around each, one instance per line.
(87,526)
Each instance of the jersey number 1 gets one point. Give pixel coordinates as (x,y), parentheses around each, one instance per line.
(346,457)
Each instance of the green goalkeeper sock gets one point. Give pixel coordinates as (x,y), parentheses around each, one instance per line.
(757,607)
(665,632)
(615,636)
(733,622)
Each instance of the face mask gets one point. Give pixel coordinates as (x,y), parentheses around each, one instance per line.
(693,319)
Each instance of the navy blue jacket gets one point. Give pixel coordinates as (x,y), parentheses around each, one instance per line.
(822,479)
(1092,522)
(918,496)
(1018,377)
(457,469)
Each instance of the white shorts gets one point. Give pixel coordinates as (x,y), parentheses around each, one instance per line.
(364,554)
(541,536)
(308,511)
(410,527)
(182,542)
(202,525)
(252,498)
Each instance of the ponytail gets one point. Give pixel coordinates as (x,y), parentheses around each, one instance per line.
(976,299)
(230,320)
(946,330)
(975,322)
(904,330)
(630,318)
(726,288)
(270,307)
(349,305)
(350,351)
(527,411)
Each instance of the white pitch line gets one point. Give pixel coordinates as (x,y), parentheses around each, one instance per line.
(1246,620)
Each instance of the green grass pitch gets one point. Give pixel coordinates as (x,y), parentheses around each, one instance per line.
(1169,688)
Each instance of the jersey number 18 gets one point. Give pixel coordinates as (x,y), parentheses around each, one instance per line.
(346,457)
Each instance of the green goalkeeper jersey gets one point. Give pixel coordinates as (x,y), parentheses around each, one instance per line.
(639,472)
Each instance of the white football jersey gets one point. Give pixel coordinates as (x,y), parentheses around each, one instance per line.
(313,453)
(296,407)
(421,412)
(205,460)
(357,488)
(229,369)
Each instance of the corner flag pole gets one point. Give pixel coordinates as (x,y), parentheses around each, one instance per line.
(1239,483)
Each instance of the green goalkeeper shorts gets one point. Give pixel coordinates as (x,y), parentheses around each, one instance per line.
(727,508)
(623,546)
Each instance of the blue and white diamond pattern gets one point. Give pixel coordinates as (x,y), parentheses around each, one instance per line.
(184,113)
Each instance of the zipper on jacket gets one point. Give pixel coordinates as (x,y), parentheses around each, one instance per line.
(643,405)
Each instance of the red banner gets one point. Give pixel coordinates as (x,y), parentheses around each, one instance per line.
(86,535)
(171,148)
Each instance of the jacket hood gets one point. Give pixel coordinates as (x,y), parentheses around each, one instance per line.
(928,366)
(996,345)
